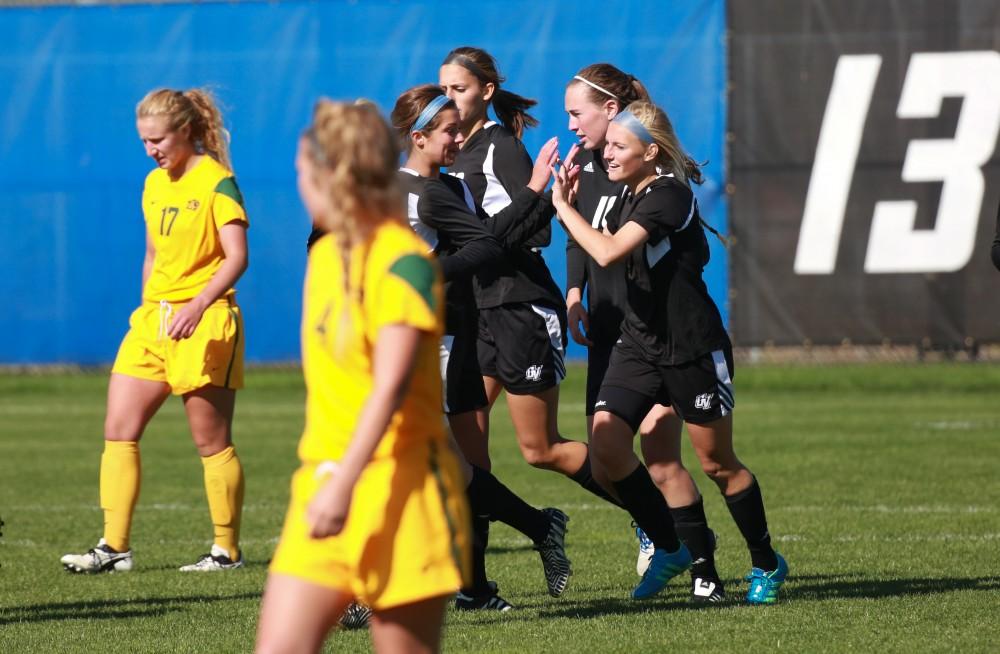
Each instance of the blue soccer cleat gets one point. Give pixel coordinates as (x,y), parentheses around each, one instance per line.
(764,586)
(663,566)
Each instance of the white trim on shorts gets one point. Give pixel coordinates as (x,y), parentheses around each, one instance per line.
(727,398)
(444,351)
(554,328)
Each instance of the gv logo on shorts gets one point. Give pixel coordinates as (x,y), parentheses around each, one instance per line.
(704,401)
(533,373)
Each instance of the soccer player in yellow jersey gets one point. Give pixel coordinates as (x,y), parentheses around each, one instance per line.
(187,336)
(377,512)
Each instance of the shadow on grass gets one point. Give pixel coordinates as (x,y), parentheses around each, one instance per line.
(837,587)
(805,588)
(145,607)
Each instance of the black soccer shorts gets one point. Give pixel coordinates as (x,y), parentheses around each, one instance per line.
(460,376)
(700,391)
(523,345)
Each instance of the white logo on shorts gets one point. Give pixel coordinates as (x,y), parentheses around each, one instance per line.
(600,403)
(704,401)
(533,373)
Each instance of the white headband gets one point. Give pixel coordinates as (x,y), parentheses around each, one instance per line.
(595,86)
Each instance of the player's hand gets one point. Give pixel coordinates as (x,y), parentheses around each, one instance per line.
(186,320)
(578,318)
(327,512)
(547,157)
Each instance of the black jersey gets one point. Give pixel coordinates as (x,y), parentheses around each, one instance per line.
(670,313)
(598,200)
(441,211)
(497,168)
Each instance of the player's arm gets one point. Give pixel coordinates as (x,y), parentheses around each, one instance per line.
(576,281)
(525,220)
(474,246)
(233,239)
(393,360)
(605,249)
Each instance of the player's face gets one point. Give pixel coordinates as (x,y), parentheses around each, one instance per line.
(628,159)
(442,144)
(313,198)
(587,120)
(471,96)
(170,149)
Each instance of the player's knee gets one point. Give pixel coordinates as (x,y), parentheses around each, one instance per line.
(666,473)
(539,457)
(116,429)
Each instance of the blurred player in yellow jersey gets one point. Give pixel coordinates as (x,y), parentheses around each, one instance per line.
(187,336)
(377,512)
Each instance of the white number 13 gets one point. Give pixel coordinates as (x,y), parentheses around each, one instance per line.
(895,245)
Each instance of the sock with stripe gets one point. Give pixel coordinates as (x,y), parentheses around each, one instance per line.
(643,500)
(121,474)
(747,509)
(224,489)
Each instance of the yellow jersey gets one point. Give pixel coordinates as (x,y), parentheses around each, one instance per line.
(393,281)
(183,219)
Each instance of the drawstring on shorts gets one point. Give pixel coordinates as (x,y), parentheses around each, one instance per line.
(166,311)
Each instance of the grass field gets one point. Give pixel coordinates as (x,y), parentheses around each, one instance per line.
(881,486)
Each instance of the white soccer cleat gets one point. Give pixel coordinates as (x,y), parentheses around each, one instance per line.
(99,559)
(216,560)
(646,550)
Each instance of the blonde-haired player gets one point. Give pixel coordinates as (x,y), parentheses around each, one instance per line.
(187,336)
(377,512)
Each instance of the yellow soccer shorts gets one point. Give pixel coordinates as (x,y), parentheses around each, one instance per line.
(213,355)
(407,535)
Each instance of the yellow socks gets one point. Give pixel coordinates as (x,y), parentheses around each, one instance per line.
(224,488)
(120,476)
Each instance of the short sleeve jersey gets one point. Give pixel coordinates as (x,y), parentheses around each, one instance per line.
(183,219)
(670,313)
(393,281)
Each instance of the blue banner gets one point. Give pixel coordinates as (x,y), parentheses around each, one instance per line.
(72,167)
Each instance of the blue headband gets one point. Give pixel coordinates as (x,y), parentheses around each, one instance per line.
(431,110)
(628,120)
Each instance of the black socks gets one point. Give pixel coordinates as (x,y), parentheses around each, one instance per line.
(642,499)
(747,509)
(585,478)
(692,528)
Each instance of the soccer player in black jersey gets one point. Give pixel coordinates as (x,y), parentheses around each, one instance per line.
(595,95)
(441,210)
(674,348)
(522,321)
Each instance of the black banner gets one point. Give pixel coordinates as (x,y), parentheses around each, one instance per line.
(864,168)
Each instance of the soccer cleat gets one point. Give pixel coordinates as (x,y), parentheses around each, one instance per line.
(645,551)
(764,586)
(707,590)
(553,552)
(490,601)
(663,566)
(356,616)
(100,559)
(217,559)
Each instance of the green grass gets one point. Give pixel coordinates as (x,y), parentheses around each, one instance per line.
(880,483)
